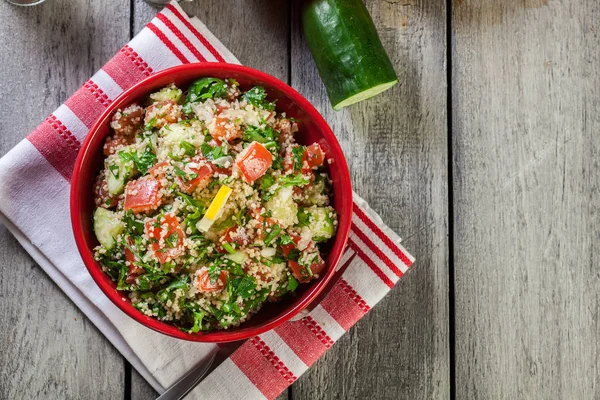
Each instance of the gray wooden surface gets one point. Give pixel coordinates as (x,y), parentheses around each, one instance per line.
(526,150)
(502,302)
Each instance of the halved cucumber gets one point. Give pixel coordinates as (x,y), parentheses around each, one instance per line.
(107,226)
(348,53)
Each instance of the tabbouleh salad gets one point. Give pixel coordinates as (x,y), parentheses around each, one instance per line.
(207,207)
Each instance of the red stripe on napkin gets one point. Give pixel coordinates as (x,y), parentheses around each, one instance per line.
(259,370)
(344,304)
(127,68)
(195,32)
(378,252)
(91,111)
(381,235)
(303,341)
(58,146)
(181,37)
(163,38)
(371,264)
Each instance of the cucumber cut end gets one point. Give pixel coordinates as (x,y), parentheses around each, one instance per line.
(367,94)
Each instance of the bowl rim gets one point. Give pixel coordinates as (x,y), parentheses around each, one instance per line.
(218,336)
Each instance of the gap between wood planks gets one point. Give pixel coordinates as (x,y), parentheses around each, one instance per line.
(451,286)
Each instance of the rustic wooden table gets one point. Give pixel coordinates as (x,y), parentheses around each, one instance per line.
(482,158)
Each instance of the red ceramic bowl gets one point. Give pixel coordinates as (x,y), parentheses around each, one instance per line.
(312,128)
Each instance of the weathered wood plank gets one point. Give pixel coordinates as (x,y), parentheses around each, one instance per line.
(396,146)
(526,149)
(49,349)
(245,27)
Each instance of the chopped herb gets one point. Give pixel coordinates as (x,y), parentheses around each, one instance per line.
(285,239)
(150,125)
(292,284)
(142,162)
(189,149)
(303,217)
(298,154)
(256,134)
(206,88)
(228,247)
(179,172)
(114,169)
(214,271)
(257,96)
(274,232)
(267,181)
(293,180)
(172,240)
(212,152)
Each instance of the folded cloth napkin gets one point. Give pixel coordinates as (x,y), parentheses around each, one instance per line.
(34,205)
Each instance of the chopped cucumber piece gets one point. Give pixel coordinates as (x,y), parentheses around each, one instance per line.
(117,175)
(320,223)
(283,207)
(239,257)
(173,137)
(107,226)
(168,94)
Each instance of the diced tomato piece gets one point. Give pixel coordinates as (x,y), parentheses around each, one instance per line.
(286,249)
(221,107)
(266,223)
(163,113)
(205,285)
(235,235)
(225,130)
(134,270)
(142,195)
(165,246)
(101,196)
(157,170)
(254,161)
(113,142)
(127,121)
(223,171)
(302,274)
(204,172)
(314,156)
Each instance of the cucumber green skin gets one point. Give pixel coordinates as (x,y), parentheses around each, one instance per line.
(344,43)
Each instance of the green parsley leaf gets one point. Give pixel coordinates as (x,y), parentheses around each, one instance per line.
(293,180)
(292,284)
(189,149)
(267,181)
(212,152)
(228,247)
(298,154)
(303,217)
(285,239)
(172,240)
(256,134)
(206,88)
(257,96)
(150,124)
(275,230)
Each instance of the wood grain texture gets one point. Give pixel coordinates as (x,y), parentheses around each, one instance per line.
(396,146)
(526,150)
(257,33)
(48,348)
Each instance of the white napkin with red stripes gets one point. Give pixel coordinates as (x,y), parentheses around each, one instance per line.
(34,205)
